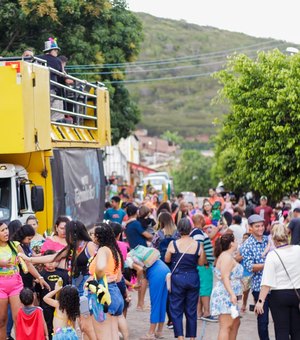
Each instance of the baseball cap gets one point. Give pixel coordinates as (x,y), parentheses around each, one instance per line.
(264,197)
(255,219)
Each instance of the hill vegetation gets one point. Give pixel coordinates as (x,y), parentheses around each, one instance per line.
(181,57)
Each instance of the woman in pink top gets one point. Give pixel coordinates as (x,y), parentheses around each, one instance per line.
(57,241)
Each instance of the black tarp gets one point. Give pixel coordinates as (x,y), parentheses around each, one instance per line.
(78,184)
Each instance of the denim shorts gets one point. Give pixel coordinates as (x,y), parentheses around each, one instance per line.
(79,282)
(117,303)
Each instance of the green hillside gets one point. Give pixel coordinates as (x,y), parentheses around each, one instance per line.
(184,104)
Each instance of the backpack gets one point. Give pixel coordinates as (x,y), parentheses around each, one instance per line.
(144,256)
(164,243)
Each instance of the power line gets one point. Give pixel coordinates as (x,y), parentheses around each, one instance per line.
(159,79)
(178,59)
(149,70)
(134,81)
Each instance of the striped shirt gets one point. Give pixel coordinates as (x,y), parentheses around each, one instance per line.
(200,236)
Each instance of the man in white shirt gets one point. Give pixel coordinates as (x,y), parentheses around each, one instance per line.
(237,228)
(295,201)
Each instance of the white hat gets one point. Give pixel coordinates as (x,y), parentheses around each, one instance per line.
(51,44)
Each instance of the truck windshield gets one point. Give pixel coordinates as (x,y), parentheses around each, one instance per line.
(155,181)
(5,198)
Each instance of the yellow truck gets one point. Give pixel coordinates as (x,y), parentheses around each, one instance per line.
(51,168)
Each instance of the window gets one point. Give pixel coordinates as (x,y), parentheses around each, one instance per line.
(5,198)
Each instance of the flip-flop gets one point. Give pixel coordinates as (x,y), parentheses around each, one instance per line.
(148,337)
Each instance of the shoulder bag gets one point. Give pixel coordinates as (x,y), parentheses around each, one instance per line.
(288,275)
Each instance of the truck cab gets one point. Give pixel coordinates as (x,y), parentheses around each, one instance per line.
(18,197)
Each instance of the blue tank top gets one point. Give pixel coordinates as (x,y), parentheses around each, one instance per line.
(187,264)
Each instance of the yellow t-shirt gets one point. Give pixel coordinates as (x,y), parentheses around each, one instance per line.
(5,254)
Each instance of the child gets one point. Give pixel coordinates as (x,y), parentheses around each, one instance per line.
(146,219)
(51,274)
(66,311)
(30,320)
(216,213)
(246,280)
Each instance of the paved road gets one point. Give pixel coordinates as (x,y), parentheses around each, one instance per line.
(139,322)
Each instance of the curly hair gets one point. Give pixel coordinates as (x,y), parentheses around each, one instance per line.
(106,238)
(69,302)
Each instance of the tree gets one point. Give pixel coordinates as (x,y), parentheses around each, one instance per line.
(258,146)
(90,33)
(172,137)
(193,173)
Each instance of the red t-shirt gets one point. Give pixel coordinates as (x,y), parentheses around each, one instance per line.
(265,212)
(207,219)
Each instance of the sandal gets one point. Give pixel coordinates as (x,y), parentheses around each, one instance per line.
(143,309)
(148,337)
(158,335)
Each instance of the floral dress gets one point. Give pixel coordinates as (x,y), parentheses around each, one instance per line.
(220,298)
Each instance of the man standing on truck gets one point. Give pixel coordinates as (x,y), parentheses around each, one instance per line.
(51,51)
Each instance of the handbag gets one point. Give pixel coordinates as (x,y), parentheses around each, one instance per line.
(298,296)
(169,275)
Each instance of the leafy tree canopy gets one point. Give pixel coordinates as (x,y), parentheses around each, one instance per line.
(258,146)
(89,32)
(193,173)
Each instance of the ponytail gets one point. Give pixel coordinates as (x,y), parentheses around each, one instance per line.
(223,243)
(218,248)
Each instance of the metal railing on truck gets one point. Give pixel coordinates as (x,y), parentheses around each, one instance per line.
(77,110)
(78,105)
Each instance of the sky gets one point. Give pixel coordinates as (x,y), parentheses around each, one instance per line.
(259,18)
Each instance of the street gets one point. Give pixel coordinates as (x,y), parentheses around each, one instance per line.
(138,323)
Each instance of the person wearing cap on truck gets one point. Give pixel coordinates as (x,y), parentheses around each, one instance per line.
(265,212)
(51,51)
(252,251)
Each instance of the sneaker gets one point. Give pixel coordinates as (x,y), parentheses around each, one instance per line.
(170,325)
(209,318)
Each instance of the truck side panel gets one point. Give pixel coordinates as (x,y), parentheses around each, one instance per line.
(78,184)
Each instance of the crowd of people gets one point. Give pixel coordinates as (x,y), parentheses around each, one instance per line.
(197,262)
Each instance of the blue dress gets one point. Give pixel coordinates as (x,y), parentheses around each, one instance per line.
(220,298)
(156,275)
